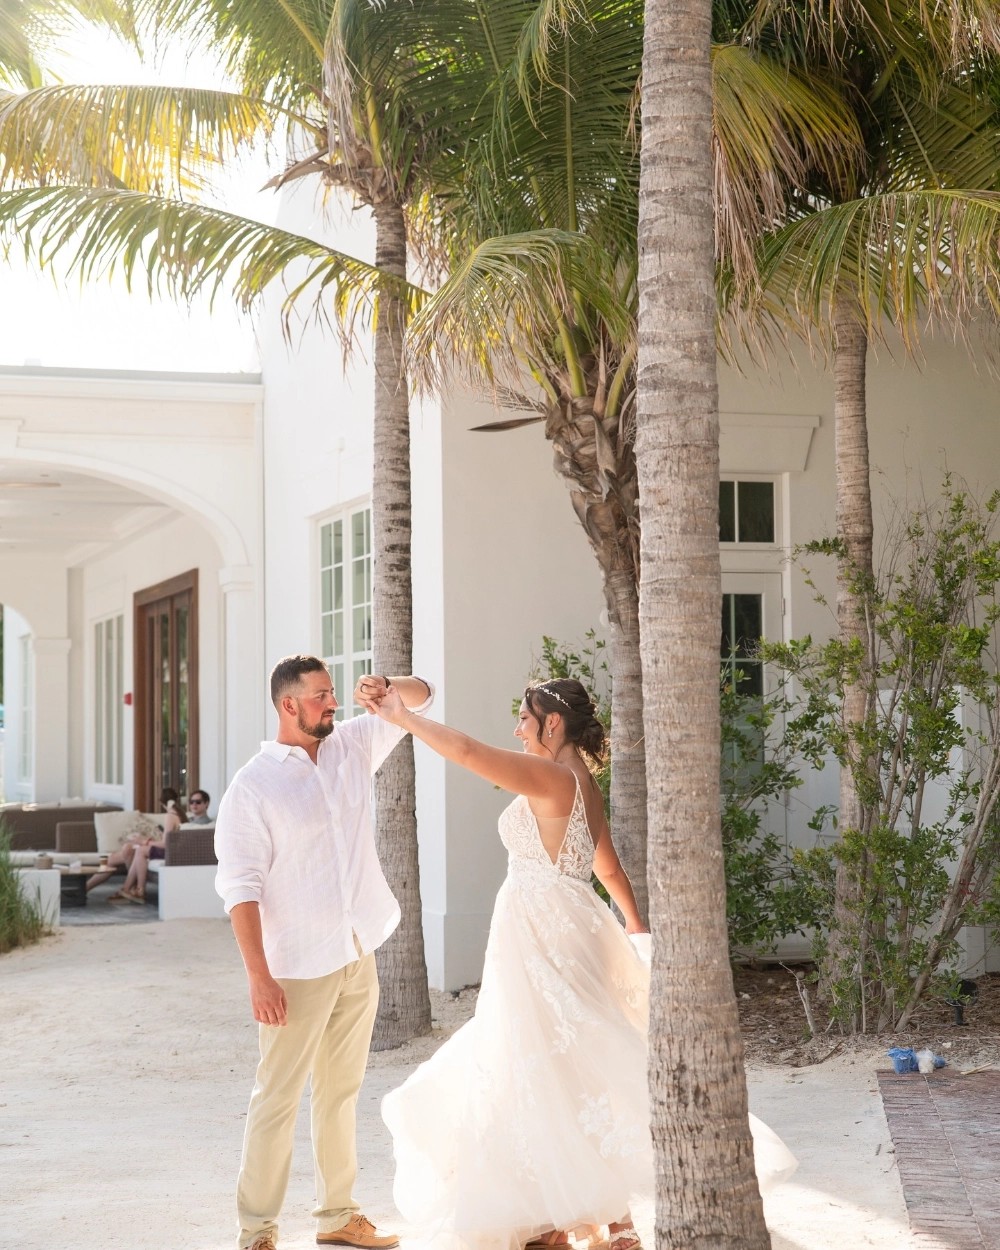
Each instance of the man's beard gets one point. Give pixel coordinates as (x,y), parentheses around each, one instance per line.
(322,729)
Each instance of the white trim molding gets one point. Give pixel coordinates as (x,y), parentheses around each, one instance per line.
(765,442)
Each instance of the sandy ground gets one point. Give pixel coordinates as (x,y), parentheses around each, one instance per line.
(127,1059)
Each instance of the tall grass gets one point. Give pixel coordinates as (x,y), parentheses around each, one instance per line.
(21,920)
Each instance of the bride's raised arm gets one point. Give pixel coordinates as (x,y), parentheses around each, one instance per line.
(511,770)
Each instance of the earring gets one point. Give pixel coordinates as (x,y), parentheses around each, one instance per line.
(550,733)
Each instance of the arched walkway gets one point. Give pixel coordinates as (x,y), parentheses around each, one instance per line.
(111,483)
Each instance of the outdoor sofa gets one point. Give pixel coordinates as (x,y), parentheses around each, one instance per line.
(34,826)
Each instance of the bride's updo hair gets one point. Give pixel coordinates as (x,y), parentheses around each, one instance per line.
(570,699)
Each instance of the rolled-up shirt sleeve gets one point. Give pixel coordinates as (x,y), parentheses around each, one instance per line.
(242,846)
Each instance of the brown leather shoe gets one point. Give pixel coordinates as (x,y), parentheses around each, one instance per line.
(360,1233)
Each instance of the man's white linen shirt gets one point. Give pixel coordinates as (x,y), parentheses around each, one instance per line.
(297,839)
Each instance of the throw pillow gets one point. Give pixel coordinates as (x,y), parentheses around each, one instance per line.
(113,829)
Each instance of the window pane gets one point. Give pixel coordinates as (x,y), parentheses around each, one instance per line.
(338,542)
(326,546)
(338,587)
(119,777)
(756,508)
(742,629)
(358,582)
(338,689)
(360,636)
(358,534)
(109,711)
(327,636)
(727,512)
(326,590)
(99,696)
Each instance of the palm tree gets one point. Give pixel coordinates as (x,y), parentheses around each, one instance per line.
(538,236)
(905,233)
(531,209)
(706,1187)
(307,70)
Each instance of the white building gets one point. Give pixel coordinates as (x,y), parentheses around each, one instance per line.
(164,538)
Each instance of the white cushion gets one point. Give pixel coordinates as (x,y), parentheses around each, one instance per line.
(113,829)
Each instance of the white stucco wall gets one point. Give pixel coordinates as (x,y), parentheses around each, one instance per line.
(192,444)
(16,628)
(33,590)
(923,420)
(498,561)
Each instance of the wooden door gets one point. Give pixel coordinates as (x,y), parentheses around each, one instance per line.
(166,689)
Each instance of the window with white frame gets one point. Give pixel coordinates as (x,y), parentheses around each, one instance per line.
(747,511)
(26,745)
(109,759)
(345,545)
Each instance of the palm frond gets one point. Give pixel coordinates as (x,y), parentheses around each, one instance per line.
(774,130)
(273,49)
(951,139)
(510,305)
(162,140)
(181,249)
(914,31)
(19,21)
(903,258)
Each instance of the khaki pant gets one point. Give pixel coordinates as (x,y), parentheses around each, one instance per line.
(329,1029)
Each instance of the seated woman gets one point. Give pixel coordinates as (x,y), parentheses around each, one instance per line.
(122,858)
(134,889)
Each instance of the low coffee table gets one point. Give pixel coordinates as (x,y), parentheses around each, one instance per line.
(74,883)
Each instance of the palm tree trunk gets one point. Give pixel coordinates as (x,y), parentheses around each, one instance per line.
(628,743)
(606,505)
(404,1006)
(706,1189)
(855,532)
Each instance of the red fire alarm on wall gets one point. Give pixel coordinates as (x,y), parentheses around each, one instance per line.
(127,698)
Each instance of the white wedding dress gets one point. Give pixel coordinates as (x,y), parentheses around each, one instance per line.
(535,1114)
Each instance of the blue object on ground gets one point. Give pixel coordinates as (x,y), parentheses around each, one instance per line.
(904,1059)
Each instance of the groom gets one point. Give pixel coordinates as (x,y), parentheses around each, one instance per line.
(301,881)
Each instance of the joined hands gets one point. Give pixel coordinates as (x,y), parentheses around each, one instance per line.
(377,698)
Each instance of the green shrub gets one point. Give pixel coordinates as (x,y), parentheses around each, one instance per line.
(894,892)
(768,896)
(21,920)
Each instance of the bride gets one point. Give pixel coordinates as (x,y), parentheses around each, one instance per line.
(532,1121)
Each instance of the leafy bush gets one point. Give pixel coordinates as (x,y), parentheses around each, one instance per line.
(895,891)
(21,921)
(768,897)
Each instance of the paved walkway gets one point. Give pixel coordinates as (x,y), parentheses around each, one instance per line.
(946,1131)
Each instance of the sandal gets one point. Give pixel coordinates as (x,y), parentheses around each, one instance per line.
(119,896)
(626,1238)
(134,897)
(555,1240)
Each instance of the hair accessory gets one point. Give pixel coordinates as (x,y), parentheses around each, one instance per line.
(552,695)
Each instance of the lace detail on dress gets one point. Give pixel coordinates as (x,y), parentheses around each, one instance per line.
(519,834)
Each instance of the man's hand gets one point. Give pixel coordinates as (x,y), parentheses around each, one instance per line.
(268,1001)
(391,708)
(370,691)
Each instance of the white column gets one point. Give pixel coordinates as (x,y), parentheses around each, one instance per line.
(242,696)
(52,713)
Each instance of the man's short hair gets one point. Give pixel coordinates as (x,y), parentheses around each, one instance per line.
(287,674)
(204,795)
